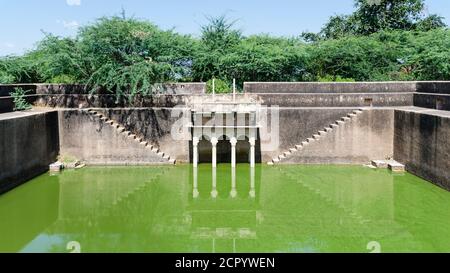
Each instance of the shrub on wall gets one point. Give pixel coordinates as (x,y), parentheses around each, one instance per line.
(20,104)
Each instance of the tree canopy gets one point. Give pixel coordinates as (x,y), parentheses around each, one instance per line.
(372,16)
(381,40)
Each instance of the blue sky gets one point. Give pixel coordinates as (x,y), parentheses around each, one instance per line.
(22,21)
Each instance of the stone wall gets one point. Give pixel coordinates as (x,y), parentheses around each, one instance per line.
(28,144)
(6,101)
(329,87)
(297,124)
(107,101)
(79,96)
(337,100)
(432,101)
(422,143)
(155,125)
(358,140)
(86,137)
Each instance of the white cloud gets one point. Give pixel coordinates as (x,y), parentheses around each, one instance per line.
(69,24)
(73,2)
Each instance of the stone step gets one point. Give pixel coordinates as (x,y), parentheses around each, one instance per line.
(127,133)
(351,115)
(281,157)
(345,119)
(155,150)
(132,136)
(310,139)
(334,125)
(316,136)
(321,133)
(275,160)
(161,154)
(110,122)
(357,112)
(270,163)
(396,167)
(143,143)
(104,119)
(167,157)
(293,150)
(382,164)
(287,153)
(173,161)
(121,129)
(339,122)
(298,147)
(328,129)
(304,143)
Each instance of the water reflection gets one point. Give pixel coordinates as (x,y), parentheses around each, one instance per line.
(172,209)
(252,192)
(233,191)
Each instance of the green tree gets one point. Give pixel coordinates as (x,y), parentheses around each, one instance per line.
(218,38)
(128,56)
(373,16)
(265,58)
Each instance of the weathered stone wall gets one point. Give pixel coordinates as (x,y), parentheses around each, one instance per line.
(6,101)
(107,101)
(6,89)
(28,144)
(367,136)
(432,101)
(329,87)
(422,143)
(337,100)
(187,88)
(87,138)
(78,96)
(297,124)
(155,125)
(436,87)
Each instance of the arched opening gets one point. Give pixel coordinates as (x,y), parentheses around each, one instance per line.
(243,151)
(223,150)
(204,151)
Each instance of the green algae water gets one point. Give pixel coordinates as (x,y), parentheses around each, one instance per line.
(274,209)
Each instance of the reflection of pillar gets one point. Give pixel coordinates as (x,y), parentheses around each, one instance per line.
(252,192)
(195,192)
(214,151)
(233,142)
(195,142)
(252,152)
(233,192)
(214,192)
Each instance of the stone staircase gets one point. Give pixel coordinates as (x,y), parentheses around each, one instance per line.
(316,137)
(138,189)
(122,130)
